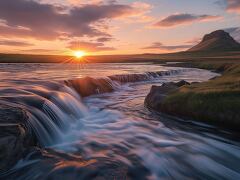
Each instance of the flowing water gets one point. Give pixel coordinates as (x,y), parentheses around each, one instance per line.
(110,134)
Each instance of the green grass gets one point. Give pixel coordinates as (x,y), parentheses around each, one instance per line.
(216,101)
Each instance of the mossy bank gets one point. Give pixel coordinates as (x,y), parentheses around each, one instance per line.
(216,101)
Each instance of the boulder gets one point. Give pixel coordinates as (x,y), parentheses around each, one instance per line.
(89,86)
(182,83)
(11,144)
(157,93)
(15,137)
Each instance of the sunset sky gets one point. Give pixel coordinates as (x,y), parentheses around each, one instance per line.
(111,26)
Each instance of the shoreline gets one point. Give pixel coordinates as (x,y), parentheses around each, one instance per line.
(215,101)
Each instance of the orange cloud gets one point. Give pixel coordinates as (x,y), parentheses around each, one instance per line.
(183,19)
(160,46)
(7,42)
(233,6)
(50,21)
(89,46)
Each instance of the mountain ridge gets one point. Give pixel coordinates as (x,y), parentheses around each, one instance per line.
(217,41)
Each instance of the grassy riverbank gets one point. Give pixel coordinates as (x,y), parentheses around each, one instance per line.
(216,101)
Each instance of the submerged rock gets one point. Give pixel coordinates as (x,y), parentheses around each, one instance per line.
(15,137)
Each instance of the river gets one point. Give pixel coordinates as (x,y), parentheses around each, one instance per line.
(111,135)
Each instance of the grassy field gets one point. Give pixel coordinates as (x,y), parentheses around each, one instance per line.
(216,101)
(25,58)
(155,58)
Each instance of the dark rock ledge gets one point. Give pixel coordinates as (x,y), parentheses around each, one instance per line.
(15,136)
(158,93)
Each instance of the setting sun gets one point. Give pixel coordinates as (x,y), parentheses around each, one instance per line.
(79,54)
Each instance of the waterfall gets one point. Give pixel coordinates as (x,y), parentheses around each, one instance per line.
(52,107)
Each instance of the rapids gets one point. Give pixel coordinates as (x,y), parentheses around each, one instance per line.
(96,127)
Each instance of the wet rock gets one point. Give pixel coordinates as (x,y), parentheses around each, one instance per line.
(158,93)
(90,86)
(182,83)
(11,144)
(133,77)
(15,137)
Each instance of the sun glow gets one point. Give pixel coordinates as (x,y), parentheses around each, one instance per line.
(79,54)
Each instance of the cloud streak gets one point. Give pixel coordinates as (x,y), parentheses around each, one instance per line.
(41,51)
(104,39)
(160,46)
(183,19)
(234,32)
(233,6)
(14,43)
(89,46)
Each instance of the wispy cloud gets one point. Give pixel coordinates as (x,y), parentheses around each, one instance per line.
(182,19)
(233,6)
(194,41)
(160,46)
(234,32)
(4,42)
(41,51)
(104,39)
(89,46)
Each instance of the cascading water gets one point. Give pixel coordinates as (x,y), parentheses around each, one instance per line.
(53,106)
(97,127)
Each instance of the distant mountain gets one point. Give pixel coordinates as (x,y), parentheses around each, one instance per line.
(217,41)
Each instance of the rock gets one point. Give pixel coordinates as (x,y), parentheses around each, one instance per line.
(158,93)
(15,137)
(126,78)
(182,83)
(11,144)
(90,86)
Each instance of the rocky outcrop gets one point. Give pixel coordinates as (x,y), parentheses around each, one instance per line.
(15,136)
(89,86)
(126,78)
(158,93)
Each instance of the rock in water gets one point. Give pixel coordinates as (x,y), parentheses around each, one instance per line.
(158,93)
(89,86)
(15,137)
